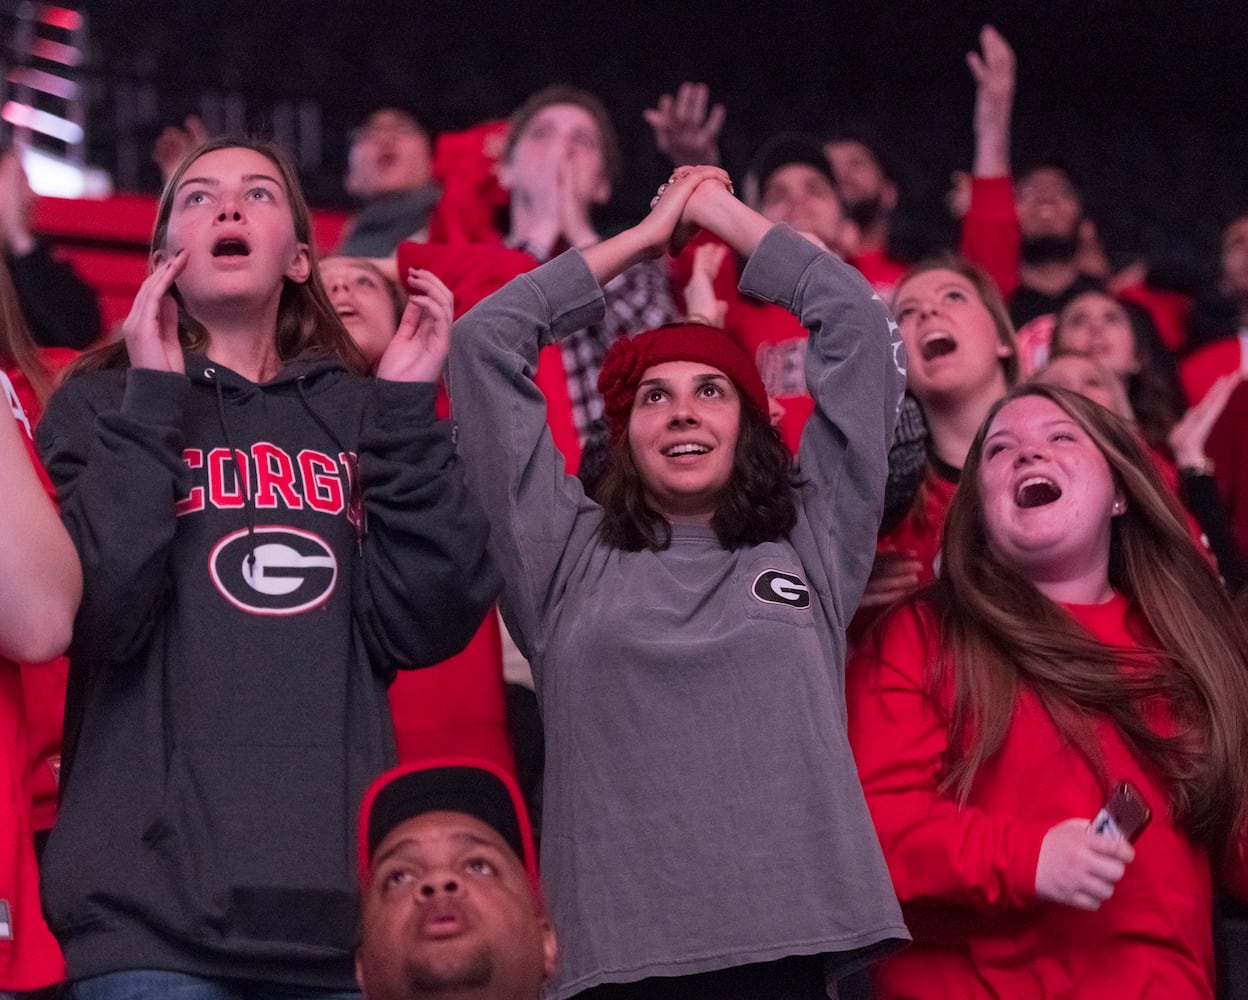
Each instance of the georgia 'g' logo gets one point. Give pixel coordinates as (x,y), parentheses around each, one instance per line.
(292,572)
(773,587)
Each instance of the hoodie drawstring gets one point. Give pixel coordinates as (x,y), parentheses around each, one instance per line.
(244,481)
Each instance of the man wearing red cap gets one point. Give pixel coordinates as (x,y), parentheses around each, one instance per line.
(448,877)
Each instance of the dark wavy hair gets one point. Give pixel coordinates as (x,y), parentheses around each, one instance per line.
(757,505)
(307,325)
(999,633)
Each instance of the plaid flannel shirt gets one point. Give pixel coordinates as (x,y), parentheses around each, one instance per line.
(637,300)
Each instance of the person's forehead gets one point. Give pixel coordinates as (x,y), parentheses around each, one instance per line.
(852,150)
(798,174)
(935,280)
(1028,412)
(347,267)
(233,161)
(1236,232)
(1093,302)
(1046,179)
(674,370)
(572,115)
(390,118)
(440,830)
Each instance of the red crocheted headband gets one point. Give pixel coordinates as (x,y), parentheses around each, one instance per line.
(630,357)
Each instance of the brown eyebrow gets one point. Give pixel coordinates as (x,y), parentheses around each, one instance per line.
(213,182)
(702,378)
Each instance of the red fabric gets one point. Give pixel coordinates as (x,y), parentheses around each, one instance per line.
(43,684)
(472,273)
(880,270)
(920,533)
(456,706)
(29,956)
(1200,369)
(1170,311)
(466,165)
(1227,448)
(629,358)
(990,233)
(966,875)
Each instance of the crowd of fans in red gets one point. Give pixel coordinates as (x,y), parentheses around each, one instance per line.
(1052,608)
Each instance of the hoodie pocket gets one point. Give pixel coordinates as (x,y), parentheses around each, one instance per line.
(258,837)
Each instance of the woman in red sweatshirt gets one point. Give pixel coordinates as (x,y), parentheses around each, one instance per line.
(1076,639)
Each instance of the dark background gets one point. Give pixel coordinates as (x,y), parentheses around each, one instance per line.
(1145,101)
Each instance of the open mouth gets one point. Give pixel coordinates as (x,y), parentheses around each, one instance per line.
(345,312)
(677,450)
(231,246)
(937,345)
(1036,491)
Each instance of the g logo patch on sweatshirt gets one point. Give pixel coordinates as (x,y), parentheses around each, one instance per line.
(774,587)
(291,571)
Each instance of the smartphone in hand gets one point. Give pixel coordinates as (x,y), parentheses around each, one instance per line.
(1124,815)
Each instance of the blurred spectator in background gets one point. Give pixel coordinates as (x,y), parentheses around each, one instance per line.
(390,172)
(60,308)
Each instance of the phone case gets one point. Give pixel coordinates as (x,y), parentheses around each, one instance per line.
(1124,815)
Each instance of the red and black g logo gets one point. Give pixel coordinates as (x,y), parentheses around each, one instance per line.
(292,570)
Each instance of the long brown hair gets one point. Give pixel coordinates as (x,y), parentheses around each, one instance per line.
(307,325)
(998,633)
(17,346)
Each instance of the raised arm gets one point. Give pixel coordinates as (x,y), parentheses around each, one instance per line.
(686,127)
(990,234)
(855,372)
(540,519)
(40,578)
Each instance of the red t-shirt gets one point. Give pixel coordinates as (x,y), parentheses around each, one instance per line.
(965,875)
(29,956)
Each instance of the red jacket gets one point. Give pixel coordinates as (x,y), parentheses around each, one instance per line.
(29,957)
(966,875)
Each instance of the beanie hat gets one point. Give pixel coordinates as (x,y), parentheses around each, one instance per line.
(629,358)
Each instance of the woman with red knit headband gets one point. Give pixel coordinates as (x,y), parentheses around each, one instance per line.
(703,830)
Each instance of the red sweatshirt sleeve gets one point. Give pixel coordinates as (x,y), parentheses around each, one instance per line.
(990,233)
(937,852)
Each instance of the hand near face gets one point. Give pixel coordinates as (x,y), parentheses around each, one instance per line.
(1187,438)
(151,329)
(685,131)
(572,210)
(1078,867)
(174,143)
(16,204)
(419,348)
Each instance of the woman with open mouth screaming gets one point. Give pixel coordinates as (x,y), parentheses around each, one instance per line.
(1076,661)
